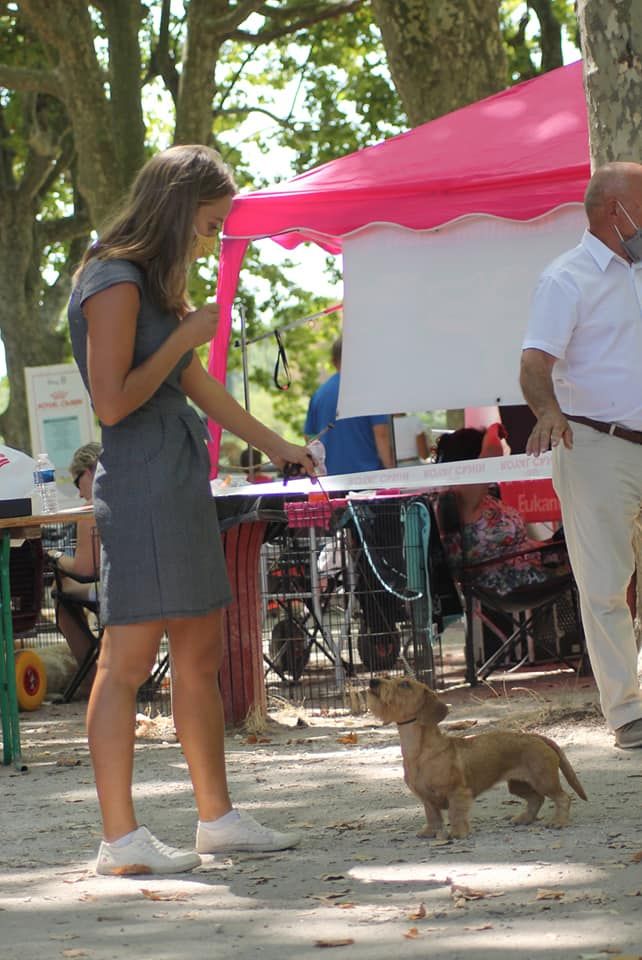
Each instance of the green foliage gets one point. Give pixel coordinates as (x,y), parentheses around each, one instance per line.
(299,99)
(522,34)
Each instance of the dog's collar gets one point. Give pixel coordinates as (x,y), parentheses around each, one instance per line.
(402,723)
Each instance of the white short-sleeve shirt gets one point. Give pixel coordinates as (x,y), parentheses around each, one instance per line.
(587,312)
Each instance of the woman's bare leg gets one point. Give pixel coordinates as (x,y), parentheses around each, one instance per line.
(126,657)
(197,648)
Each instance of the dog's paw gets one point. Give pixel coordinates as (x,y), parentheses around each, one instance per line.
(558,823)
(523,819)
(433,833)
(460,831)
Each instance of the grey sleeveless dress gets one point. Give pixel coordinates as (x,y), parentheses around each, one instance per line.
(161,553)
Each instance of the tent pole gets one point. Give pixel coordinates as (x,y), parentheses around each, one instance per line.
(246,380)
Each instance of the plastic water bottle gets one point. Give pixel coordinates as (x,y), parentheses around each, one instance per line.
(44,478)
(317,450)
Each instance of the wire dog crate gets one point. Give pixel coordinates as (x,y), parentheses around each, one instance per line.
(347,594)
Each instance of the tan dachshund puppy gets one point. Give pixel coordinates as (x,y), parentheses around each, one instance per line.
(447,773)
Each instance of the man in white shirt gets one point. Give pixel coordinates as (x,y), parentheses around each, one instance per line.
(581,374)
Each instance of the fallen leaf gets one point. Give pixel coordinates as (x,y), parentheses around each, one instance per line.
(332,876)
(348,738)
(157,895)
(334,943)
(74,952)
(483,926)
(68,762)
(252,738)
(467,893)
(412,934)
(544,894)
(418,914)
(637,857)
(328,897)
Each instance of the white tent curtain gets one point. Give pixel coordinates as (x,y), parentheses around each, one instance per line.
(435,319)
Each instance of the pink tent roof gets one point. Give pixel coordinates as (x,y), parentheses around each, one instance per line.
(517,155)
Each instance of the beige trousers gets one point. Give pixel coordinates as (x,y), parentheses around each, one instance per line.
(599,484)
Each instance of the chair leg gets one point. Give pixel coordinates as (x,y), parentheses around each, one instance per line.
(81,673)
(471,670)
(519,634)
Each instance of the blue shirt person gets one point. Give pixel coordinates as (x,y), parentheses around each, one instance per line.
(353,444)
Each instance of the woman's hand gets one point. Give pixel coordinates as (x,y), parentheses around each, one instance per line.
(285,453)
(494,443)
(199,326)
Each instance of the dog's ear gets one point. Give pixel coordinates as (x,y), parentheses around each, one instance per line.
(432,709)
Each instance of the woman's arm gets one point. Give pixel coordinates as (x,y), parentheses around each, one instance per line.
(117,388)
(214,400)
(492,445)
(85,560)
(381,434)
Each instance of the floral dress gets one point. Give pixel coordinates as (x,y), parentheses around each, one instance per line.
(498,530)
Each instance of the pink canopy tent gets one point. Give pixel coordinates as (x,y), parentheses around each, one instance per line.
(516,155)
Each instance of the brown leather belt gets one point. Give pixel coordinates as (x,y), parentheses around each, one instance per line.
(614,429)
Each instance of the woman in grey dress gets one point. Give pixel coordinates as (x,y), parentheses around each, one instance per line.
(133,333)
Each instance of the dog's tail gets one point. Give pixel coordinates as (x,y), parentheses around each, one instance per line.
(565,767)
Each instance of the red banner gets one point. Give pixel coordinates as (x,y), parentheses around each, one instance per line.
(536,500)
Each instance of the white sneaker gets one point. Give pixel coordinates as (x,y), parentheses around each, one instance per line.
(242,834)
(145,854)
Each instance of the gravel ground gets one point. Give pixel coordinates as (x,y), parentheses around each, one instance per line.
(360,882)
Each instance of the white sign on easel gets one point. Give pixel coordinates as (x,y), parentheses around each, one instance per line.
(60,419)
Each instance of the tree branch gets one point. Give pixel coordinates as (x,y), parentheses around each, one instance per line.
(161,62)
(246,111)
(36,171)
(230,21)
(550,33)
(30,81)
(316,15)
(64,228)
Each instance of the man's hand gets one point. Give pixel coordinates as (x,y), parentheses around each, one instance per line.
(550,429)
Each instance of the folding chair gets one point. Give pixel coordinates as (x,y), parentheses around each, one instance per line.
(83,609)
(524,603)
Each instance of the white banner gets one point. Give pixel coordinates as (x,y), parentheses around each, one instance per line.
(425,476)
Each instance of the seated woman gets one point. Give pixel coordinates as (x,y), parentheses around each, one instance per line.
(86,559)
(486,528)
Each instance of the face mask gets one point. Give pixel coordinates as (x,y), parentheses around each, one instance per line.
(203,245)
(633,245)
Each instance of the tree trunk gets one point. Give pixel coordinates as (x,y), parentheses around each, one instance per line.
(65,27)
(197,88)
(550,34)
(442,54)
(611,35)
(28,340)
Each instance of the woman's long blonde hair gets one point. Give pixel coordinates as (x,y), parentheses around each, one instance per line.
(155,226)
